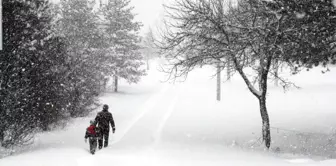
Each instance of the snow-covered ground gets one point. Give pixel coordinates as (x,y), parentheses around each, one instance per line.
(182,124)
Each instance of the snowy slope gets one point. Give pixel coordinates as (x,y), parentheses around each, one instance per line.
(182,124)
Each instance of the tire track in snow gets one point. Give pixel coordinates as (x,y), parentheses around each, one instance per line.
(170,110)
(147,106)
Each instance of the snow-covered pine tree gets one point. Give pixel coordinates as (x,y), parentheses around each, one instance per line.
(121,35)
(77,24)
(315,44)
(30,86)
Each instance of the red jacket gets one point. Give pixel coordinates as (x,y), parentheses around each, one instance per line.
(91,131)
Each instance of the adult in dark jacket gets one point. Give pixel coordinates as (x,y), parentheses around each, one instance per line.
(104,119)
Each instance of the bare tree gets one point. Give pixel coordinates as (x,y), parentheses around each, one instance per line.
(245,35)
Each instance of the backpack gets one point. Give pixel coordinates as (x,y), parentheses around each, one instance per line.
(91,130)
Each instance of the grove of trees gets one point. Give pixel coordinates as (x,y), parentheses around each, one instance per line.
(56,59)
(252,37)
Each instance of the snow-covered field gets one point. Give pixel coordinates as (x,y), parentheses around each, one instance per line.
(182,124)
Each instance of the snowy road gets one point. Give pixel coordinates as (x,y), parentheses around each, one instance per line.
(147,126)
(182,124)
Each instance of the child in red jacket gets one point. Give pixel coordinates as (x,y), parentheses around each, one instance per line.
(92,134)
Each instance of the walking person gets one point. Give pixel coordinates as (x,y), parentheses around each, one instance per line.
(91,133)
(104,118)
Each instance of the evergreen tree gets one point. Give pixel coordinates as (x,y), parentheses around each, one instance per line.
(77,23)
(310,40)
(30,72)
(122,38)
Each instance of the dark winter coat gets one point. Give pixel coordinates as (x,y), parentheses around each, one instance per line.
(103,119)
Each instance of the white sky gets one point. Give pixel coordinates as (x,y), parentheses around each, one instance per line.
(149,12)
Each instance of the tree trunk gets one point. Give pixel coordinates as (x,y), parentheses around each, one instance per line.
(2,136)
(261,95)
(105,83)
(266,133)
(100,3)
(228,72)
(147,64)
(276,73)
(115,83)
(218,82)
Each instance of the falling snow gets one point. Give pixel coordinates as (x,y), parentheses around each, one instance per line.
(300,15)
(63,60)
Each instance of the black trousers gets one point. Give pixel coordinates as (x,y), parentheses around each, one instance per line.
(93,144)
(103,137)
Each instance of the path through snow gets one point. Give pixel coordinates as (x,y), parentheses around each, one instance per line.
(182,124)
